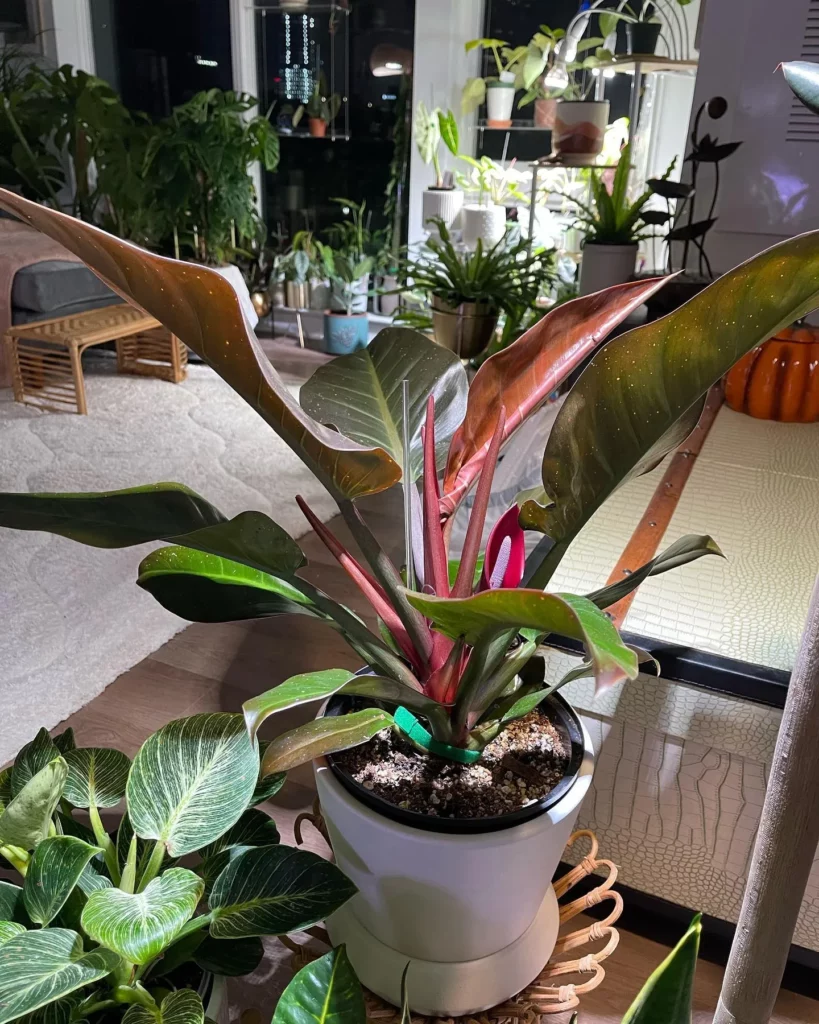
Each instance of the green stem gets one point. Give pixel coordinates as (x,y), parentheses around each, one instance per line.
(497,60)
(18,858)
(153,865)
(436,163)
(103,1004)
(109,851)
(135,994)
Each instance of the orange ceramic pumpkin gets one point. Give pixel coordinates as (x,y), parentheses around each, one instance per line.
(780,379)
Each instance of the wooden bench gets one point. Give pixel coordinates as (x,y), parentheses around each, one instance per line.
(46,356)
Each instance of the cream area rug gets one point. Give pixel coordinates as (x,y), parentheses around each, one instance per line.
(71,617)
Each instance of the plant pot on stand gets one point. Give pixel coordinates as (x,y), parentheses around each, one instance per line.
(317,127)
(468,901)
(642,36)
(500,95)
(359,302)
(483,221)
(602,266)
(465,329)
(345,332)
(579,129)
(440,204)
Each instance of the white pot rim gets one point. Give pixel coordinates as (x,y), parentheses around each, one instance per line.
(501,83)
(465,827)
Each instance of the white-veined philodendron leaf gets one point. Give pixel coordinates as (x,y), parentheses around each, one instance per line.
(8,929)
(192,780)
(96,775)
(39,967)
(11,901)
(324,992)
(182,1007)
(254,828)
(54,870)
(25,821)
(140,925)
(32,758)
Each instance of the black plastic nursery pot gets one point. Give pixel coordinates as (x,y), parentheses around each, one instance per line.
(642,37)
(563,717)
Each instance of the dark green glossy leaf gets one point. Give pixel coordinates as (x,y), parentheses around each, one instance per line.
(390,691)
(251,538)
(181,1007)
(254,828)
(274,890)
(326,991)
(230,957)
(25,821)
(323,736)
(96,775)
(640,384)
(207,588)
(686,549)
(301,689)
(565,614)
(32,758)
(55,869)
(65,741)
(179,952)
(139,926)
(5,787)
(11,902)
(210,868)
(667,995)
(191,781)
(40,967)
(266,787)
(361,393)
(803,78)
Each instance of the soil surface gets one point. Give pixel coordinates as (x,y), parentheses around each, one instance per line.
(521,765)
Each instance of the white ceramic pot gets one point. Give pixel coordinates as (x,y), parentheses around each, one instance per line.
(500,95)
(485,222)
(440,203)
(579,128)
(601,266)
(359,303)
(320,293)
(387,304)
(475,912)
(234,277)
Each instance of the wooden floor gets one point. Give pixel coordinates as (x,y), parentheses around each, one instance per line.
(217,667)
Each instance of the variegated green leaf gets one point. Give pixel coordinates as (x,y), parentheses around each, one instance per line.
(323,736)
(40,967)
(191,781)
(8,929)
(32,758)
(230,957)
(25,821)
(65,741)
(254,828)
(140,925)
(326,991)
(181,1007)
(96,775)
(55,869)
(274,890)
(301,689)
(11,901)
(5,787)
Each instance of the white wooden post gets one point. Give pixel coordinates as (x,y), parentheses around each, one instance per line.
(784,849)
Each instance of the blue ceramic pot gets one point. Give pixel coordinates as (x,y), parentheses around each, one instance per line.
(344,334)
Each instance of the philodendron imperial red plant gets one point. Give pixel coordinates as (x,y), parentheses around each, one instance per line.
(452,641)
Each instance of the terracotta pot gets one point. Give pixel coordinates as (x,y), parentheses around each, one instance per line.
(465,329)
(317,127)
(779,380)
(579,128)
(545,111)
(602,266)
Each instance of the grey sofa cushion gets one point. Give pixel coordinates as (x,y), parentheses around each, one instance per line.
(27,316)
(48,286)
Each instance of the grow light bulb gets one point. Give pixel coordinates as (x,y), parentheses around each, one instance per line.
(556,77)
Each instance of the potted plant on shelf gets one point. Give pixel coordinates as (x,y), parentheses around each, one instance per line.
(296,266)
(101,922)
(457,650)
(538,54)
(440,201)
(495,187)
(321,109)
(346,325)
(498,93)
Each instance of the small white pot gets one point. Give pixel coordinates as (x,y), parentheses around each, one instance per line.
(387,304)
(500,96)
(475,912)
(441,203)
(234,277)
(320,294)
(602,266)
(579,128)
(484,222)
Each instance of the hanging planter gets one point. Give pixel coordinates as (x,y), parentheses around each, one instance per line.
(579,129)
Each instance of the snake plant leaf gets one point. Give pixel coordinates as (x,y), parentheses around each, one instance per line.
(54,870)
(96,775)
(202,309)
(640,384)
(191,781)
(323,736)
(232,958)
(8,929)
(25,821)
(521,376)
(361,393)
(326,991)
(667,995)
(269,786)
(140,925)
(565,614)
(32,758)
(112,519)
(206,588)
(254,828)
(300,689)
(803,78)
(11,902)
(39,967)
(181,1007)
(273,890)
(686,549)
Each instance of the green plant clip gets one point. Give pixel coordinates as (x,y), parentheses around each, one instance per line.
(409,724)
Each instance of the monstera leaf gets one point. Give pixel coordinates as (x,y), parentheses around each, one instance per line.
(25,821)
(361,394)
(55,869)
(191,781)
(521,376)
(326,991)
(39,967)
(640,394)
(201,308)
